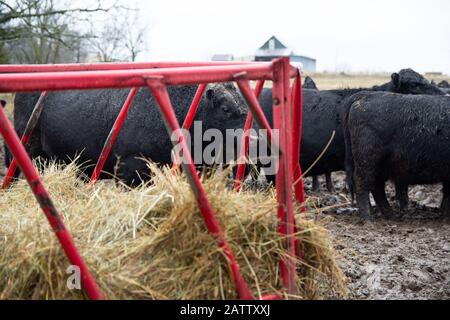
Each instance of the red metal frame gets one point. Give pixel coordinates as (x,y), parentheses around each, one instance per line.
(190,116)
(296,102)
(24,68)
(77,80)
(245,141)
(282,121)
(26,137)
(133,75)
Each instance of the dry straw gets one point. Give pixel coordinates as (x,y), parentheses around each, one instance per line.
(150,242)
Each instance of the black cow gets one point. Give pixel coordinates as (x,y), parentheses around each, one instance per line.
(444,86)
(398,137)
(78,122)
(322,115)
(310,84)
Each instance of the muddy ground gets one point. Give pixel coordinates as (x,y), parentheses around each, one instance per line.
(403,258)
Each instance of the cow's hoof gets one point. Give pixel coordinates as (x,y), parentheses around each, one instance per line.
(365,220)
(445,217)
(388,215)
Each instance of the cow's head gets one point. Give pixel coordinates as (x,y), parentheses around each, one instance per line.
(224,107)
(444,84)
(408,81)
(3,103)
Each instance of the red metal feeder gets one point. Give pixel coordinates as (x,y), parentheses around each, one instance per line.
(156,77)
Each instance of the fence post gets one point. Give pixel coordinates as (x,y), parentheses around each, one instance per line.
(296,104)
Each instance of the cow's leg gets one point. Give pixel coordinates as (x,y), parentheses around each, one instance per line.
(367,155)
(379,194)
(315,183)
(401,193)
(330,186)
(364,178)
(8,156)
(445,206)
(362,197)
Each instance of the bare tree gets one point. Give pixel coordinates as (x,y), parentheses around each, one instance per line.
(42,31)
(122,37)
(135,37)
(107,43)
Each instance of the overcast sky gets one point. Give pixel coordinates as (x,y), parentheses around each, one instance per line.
(344,35)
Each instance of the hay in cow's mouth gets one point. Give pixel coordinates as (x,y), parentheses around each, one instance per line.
(150,242)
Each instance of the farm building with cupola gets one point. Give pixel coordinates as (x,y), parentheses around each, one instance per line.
(274,48)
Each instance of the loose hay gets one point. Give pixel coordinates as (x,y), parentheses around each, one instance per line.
(150,242)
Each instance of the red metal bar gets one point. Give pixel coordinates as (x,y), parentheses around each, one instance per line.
(296,103)
(284,179)
(245,141)
(25,68)
(112,136)
(15,82)
(296,97)
(254,106)
(190,116)
(26,137)
(159,91)
(42,196)
(194,106)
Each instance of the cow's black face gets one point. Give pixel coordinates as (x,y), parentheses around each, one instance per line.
(225,107)
(444,84)
(3,103)
(407,81)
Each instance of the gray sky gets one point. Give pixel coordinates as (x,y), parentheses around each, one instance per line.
(344,35)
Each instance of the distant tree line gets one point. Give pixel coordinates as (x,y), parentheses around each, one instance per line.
(50,31)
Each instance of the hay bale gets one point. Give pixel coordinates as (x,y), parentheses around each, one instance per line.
(150,242)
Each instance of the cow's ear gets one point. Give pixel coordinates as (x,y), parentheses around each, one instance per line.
(395,80)
(3,103)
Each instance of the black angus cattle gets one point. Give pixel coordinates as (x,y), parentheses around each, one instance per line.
(310,84)
(444,86)
(78,122)
(322,115)
(402,138)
